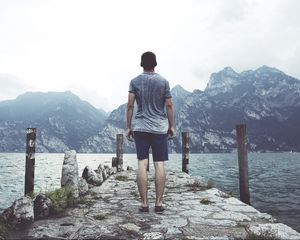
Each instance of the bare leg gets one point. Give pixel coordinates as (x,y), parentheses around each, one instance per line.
(160,181)
(142,181)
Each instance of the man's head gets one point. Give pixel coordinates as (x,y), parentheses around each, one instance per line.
(148,61)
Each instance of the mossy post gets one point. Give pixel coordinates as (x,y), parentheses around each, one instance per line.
(30,160)
(185,151)
(120,151)
(241,134)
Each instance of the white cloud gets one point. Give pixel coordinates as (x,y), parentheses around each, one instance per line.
(93,47)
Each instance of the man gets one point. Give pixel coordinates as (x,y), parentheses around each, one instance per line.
(152,127)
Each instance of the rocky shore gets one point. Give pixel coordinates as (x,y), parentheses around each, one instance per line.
(108,209)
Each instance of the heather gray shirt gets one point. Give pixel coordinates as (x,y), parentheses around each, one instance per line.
(151,91)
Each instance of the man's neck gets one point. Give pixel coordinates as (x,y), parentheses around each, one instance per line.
(149,70)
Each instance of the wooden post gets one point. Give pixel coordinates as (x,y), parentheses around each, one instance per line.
(120,151)
(114,162)
(30,160)
(185,151)
(241,133)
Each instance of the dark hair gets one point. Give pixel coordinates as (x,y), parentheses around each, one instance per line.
(148,60)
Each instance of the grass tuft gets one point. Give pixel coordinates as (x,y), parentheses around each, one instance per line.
(206,201)
(61,198)
(122,178)
(135,194)
(95,195)
(99,217)
(32,195)
(198,186)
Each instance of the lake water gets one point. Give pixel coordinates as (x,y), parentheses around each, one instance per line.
(274,177)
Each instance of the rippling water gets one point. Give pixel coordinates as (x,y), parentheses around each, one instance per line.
(274,177)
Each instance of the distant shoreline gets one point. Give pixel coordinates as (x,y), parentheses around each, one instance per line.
(232,152)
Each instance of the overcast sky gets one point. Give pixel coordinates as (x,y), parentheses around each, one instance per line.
(93,48)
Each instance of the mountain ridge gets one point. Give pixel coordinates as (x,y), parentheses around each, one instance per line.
(62,120)
(266,99)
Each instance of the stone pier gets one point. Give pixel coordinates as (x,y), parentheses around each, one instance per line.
(194,210)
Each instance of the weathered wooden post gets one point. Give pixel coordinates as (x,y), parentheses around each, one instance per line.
(30,160)
(241,134)
(185,151)
(120,151)
(114,162)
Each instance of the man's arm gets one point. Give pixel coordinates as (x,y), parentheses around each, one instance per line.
(129,113)
(170,112)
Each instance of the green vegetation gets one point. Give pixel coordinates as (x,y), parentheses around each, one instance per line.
(95,195)
(99,217)
(206,201)
(61,199)
(198,186)
(32,195)
(267,234)
(185,238)
(135,194)
(122,178)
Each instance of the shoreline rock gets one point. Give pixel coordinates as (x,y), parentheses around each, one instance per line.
(26,210)
(20,212)
(69,175)
(42,206)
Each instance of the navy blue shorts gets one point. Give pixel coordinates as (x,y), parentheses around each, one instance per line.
(157,142)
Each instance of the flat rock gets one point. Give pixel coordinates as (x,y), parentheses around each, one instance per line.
(235,216)
(278,230)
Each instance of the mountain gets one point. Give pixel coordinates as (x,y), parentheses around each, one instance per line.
(62,119)
(266,99)
(105,139)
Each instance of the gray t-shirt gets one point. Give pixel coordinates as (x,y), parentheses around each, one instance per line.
(151,91)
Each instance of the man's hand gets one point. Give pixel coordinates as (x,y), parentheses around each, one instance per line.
(170,112)
(129,113)
(129,135)
(171,133)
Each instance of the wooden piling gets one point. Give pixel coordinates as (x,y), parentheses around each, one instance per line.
(114,162)
(120,151)
(30,160)
(241,133)
(185,151)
